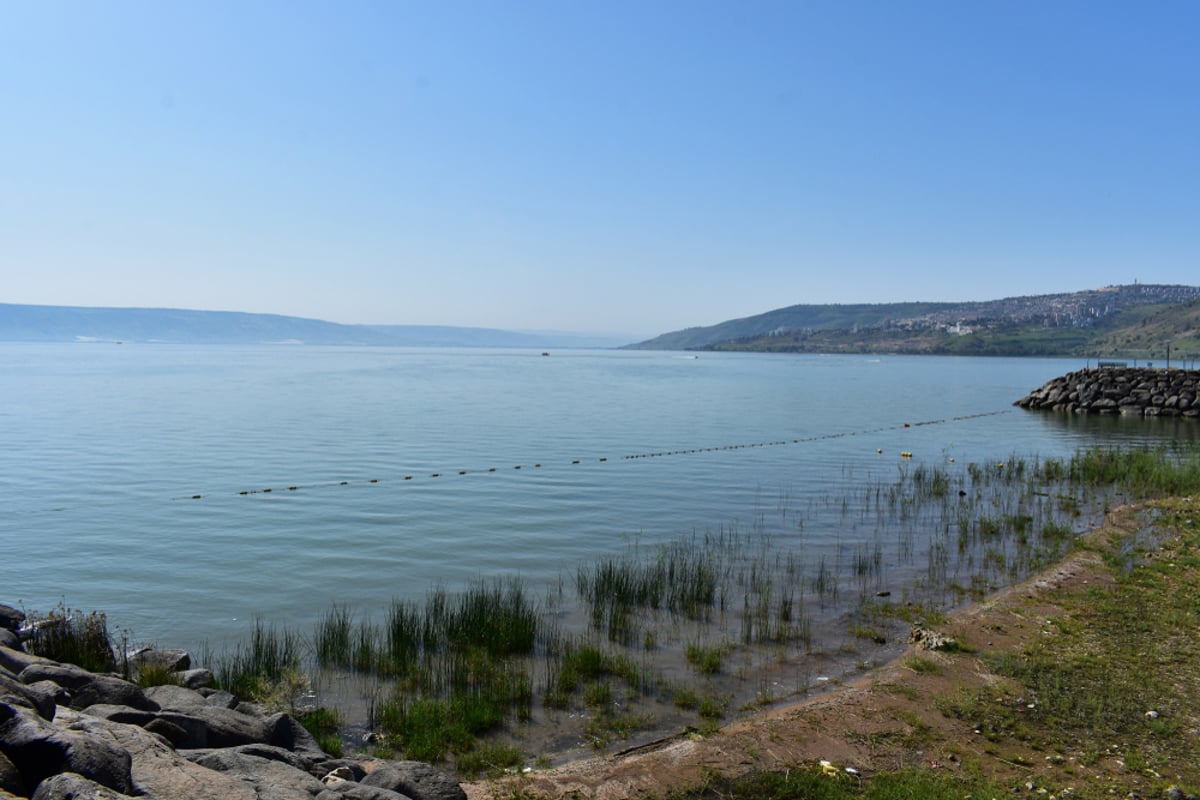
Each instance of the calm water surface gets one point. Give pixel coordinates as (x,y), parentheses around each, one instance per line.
(106,447)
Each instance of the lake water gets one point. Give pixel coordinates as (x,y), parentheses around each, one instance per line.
(134,478)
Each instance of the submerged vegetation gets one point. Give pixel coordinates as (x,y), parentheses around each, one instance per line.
(713,621)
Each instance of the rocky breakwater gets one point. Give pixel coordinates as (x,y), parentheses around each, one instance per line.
(70,734)
(1144,392)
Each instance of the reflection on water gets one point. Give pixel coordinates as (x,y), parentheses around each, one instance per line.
(1088,428)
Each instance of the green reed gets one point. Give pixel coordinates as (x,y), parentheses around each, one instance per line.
(71,636)
(463,664)
(261,663)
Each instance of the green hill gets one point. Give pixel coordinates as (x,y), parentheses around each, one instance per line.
(1134,321)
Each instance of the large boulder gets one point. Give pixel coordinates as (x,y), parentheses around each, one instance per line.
(184,731)
(69,786)
(40,749)
(158,771)
(415,779)
(31,696)
(284,730)
(15,661)
(88,688)
(225,727)
(349,790)
(267,751)
(270,779)
(179,698)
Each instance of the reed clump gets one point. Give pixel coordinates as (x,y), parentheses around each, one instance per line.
(582,664)
(1144,473)
(73,637)
(461,667)
(267,666)
(682,580)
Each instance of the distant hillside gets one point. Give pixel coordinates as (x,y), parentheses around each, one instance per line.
(1147,337)
(1075,323)
(792,318)
(28,323)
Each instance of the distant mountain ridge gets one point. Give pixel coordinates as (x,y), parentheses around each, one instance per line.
(1053,324)
(34,323)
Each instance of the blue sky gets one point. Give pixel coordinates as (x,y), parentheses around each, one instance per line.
(624,167)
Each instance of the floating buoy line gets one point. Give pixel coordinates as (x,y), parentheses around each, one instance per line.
(906,454)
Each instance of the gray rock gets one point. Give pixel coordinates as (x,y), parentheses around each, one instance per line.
(225,727)
(177,735)
(176,698)
(15,661)
(195,678)
(69,786)
(181,730)
(284,730)
(9,639)
(194,727)
(273,753)
(11,618)
(415,779)
(157,769)
(58,694)
(217,697)
(349,790)
(40,749)
(254,709)
(229,727)
(89,688)
(10,777)
(1130,391)
(270,779)
(168,658)
(34,697)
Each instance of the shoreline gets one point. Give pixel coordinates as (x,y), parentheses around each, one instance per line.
(843,725)
(955,708)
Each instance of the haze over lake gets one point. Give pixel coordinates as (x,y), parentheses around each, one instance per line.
(134,478)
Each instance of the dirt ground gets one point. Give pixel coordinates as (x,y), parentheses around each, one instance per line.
(885,720)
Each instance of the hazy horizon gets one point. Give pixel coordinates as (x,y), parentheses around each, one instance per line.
(607,168)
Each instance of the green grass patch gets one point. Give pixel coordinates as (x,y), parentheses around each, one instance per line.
(149,675)
(490,758)
(923,665)
(586,665)
(323,724)
(706,660)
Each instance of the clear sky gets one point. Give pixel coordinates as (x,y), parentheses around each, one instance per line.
(602,166)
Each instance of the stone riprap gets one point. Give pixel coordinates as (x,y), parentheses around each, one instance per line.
(1131,391)
(68,734)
